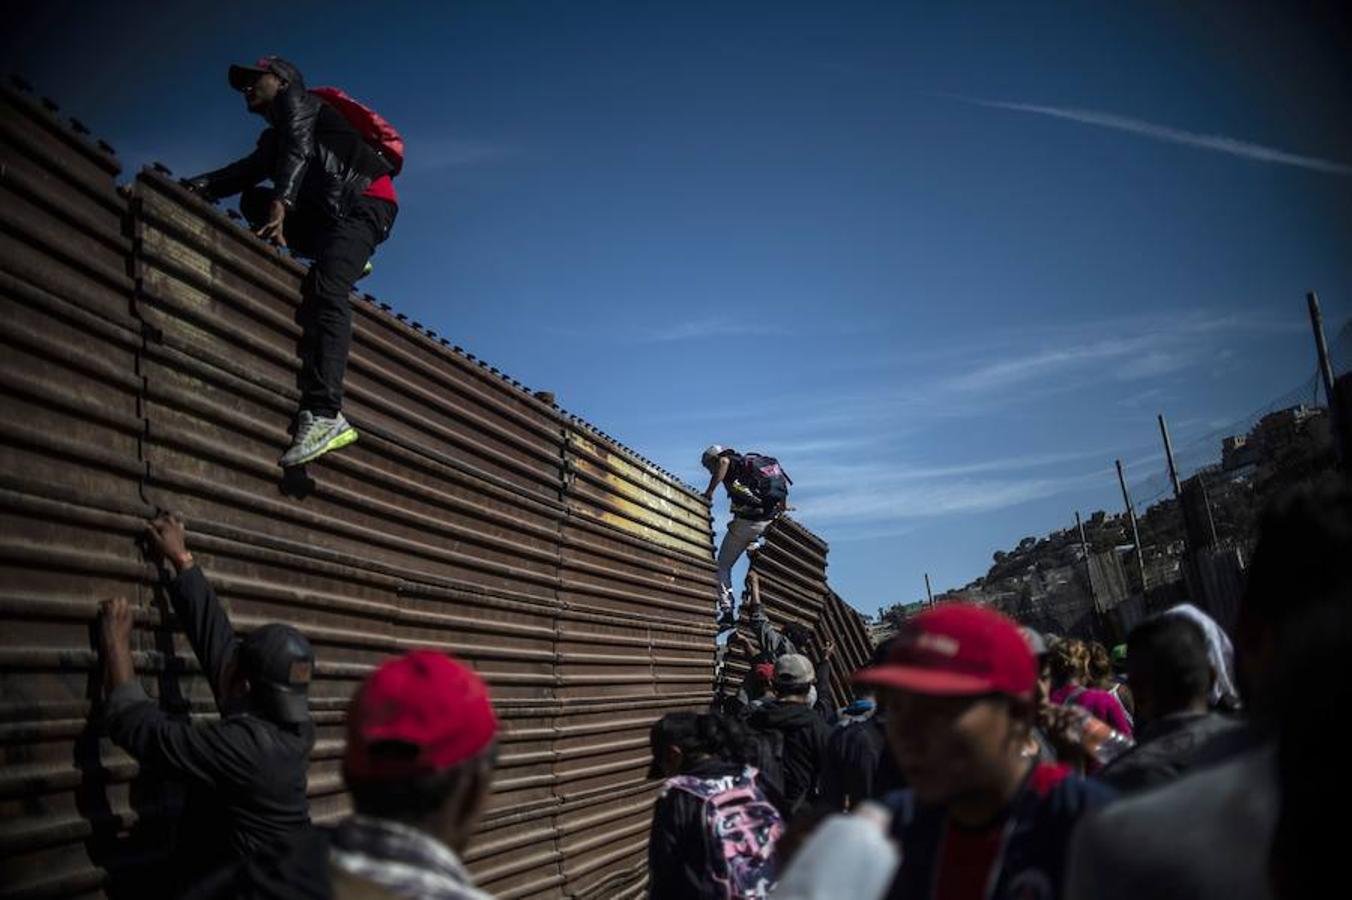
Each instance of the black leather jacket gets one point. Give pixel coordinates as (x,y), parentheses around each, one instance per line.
(312,154)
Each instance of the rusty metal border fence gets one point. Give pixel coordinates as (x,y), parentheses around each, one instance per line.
(150,363)
(791,568)
(854,647)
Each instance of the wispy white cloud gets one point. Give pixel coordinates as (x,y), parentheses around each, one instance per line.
(1125,349)
(435,154)
(897,398)
(819,447)
(1024,367)
(866,497)
(849,489)
(1155,362)
(708,329)
(1214,142)
(1150,395)
(998,464)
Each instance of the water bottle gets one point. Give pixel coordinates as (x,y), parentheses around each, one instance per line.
(1100,741)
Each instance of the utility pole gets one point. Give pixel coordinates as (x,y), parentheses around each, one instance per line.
(1199,527)
(1088,564)
(1321,349)
(928,593)
(1169,456)
(1135,533)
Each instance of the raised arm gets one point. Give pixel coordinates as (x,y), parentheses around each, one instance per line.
(139,726)
(195,604)
(770,638)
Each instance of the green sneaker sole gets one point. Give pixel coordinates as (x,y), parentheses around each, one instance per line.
(337,442)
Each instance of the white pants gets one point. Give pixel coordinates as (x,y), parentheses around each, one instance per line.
(741,534)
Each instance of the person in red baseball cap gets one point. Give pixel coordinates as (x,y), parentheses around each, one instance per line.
(421,746)
(980,817)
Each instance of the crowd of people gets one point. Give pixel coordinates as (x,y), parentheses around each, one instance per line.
(978,759)
(997,762)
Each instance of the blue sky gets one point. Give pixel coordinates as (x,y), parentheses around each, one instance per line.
(945,265)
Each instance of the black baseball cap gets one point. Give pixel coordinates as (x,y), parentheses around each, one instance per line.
(279,663)
(242,76)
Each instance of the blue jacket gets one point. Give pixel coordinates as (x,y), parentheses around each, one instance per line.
(1037,834)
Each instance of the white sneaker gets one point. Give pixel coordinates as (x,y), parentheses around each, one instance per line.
(315,436)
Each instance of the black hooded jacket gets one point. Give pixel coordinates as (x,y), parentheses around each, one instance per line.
(805,736)
(859,766)
(252,769)
(312,154)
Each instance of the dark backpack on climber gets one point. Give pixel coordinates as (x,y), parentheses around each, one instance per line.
(764,475)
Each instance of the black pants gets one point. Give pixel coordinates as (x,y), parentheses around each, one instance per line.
(340,249)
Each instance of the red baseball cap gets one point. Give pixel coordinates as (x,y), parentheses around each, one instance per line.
(433,705)
(957,649)
(765,671)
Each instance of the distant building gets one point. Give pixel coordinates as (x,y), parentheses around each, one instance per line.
(1279,429)
(881,630)
(1237,452)
(1272,434)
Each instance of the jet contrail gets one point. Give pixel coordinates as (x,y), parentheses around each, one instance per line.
(1216,142)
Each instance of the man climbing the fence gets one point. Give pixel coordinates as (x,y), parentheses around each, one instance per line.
(251,762)
(758,491)
(330,160)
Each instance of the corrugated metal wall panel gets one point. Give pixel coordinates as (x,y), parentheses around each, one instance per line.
(70,503)
(854,647)
(791,568)
(640,547)
(152,364)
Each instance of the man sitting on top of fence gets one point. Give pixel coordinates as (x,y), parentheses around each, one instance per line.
(330,160)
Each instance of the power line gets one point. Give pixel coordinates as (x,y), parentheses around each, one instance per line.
(1156,485)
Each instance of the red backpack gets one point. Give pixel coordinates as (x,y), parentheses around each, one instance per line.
(371,125)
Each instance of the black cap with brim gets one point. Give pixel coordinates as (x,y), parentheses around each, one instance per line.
(279,663)
(241,77)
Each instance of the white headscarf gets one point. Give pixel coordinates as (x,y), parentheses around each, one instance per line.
(1219,651)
